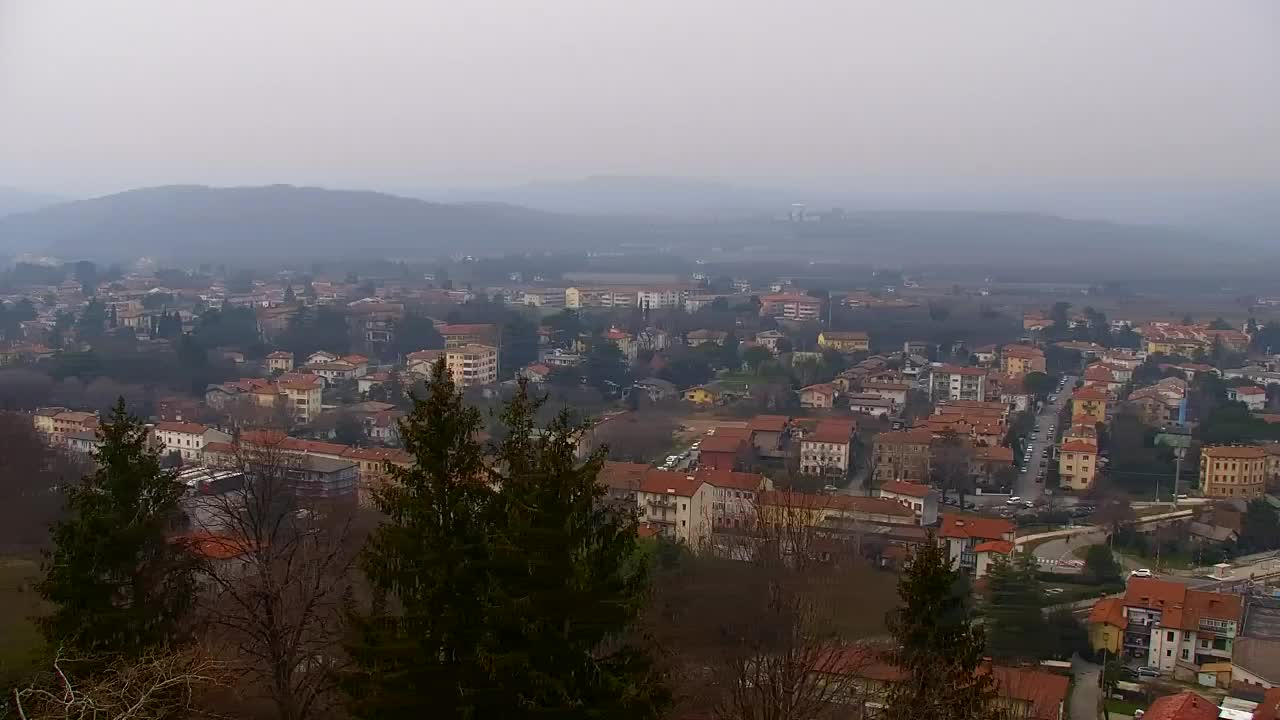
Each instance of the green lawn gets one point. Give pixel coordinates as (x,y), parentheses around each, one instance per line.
(18,604)
(1123,707)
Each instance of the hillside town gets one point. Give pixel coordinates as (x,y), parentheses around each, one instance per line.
(1119,471)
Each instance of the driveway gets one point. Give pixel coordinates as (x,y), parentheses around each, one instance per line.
(1086,696)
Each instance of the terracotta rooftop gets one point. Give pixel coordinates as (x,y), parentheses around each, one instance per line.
(1186,705)
(181,427)
(665,482)
(910,489)
(1109,611)
(974,526)
(725,478)
(768,423)
(1235,452)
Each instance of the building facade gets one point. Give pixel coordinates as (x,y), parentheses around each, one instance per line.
(1233,471)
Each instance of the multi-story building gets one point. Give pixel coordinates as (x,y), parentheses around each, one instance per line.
(1078,464)
(730,497)
(918,497)
(952,382)
(851,341)
(1254,397)
(187,439)
(895,393)
(1089,405)
(333,372)
(661,298)
(583,297)
(1018,360)
(473,365)
(55,423)
(302,395)
(902,455)
(457,335)
(1233,471)
(280,360)
(313,476)
(673,502)
(1169,624)
(544,297)
(974,542)
(789,306)
(826,451)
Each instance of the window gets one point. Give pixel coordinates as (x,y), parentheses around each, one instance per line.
(1168,653)
(1170,636)
(1186,634)
(1184,654)
(684,506)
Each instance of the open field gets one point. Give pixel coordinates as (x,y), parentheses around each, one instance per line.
(19,603)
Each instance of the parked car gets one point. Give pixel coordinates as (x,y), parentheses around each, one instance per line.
(1147,671)
(1013,500)
(1141,573)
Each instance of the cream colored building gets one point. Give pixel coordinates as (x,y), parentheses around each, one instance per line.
(1233,471)
(1077,464)
(302,395)
(472,365)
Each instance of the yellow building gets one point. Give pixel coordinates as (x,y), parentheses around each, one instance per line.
(472,365)
(1077,464)
(1233,471)
(1089,405)
(844,341)
(1018,360)
(1106,625)
(700,396)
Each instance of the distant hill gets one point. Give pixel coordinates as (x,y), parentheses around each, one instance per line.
(13,200)
(188,222)
(194,223)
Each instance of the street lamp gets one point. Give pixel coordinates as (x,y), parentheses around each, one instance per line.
(1179,452)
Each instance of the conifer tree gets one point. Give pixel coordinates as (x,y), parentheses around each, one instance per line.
(1016,628)
(938,647)
(414,650)
(119,584)
(565,589)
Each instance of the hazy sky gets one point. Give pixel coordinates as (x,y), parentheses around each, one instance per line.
(100,95)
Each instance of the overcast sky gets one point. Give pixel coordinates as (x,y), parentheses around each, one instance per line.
(99,95)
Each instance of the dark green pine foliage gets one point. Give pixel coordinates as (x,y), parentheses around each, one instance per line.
(119,583)
(415,650)
(938,647)
(565,590)
(1016,627)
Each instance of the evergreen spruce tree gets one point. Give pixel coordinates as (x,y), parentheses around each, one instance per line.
(415,650)
(938,647)
(118,583)
(1016,627)
(566,589)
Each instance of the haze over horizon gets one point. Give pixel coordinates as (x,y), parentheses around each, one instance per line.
(487,94)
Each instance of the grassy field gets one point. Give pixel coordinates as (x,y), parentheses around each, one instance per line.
(18,604)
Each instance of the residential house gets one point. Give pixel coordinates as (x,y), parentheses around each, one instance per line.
(730,497)
(917,497)
(312,476)
(653,339)
(1254,398)
(1233,471)
(187,439)
(952,382)
(827,450)
(280,360)
(694,338)
(420,362)
(1078,464)
(1186,705)
(1089,405)
(872,405)
(321,356)
(832,512)
(769,339)
(974,542)
(372,380)
(56,423)
(790,306)
(821,396)
(701,395)
(82,442)
(333,372)
(769,434)
(657,389)
(1169,624)
(1018,360)
(302,395)
(674,503)
(902,455)
(621,481)
(844,341)
(1107,625)
(536,373)
(895,393)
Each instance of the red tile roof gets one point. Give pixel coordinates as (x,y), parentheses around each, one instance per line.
(831,431)
(463,329)
(1154,593)
(974,526)
(1089,393)
(722,443)
(1186,705)
(1240,452)
(1109,611)
(1004,547)
(665,482)
(1078,446)
(622,475)
(181,427)
(725,478)
(844,503)
(1046,692)
(910,489)
(768,423)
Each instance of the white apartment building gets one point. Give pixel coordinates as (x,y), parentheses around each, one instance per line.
(675,504)
(950,382)
(661,298)
(545,297)
(472,365)
(186,439)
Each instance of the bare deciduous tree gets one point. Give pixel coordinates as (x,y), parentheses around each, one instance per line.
(164,684)
(280,565)
(759,621)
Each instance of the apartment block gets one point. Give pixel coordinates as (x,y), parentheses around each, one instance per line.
(1233,471)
